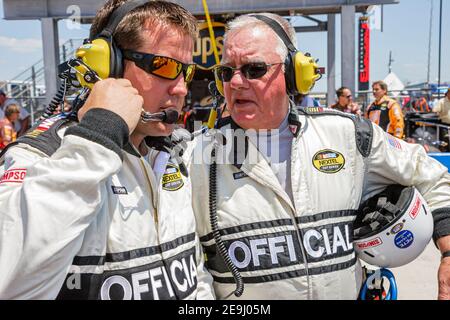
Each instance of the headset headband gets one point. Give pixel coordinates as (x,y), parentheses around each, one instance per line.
(278,30)
(117,16)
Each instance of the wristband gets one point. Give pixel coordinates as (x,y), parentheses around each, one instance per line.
(446,254)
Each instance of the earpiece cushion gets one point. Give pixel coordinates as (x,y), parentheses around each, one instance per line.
(290,74)
(116,62)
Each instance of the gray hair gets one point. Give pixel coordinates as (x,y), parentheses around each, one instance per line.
(247,21)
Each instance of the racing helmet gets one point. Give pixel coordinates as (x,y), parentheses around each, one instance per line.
(393,227)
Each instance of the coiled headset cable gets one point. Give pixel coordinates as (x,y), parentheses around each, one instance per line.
(215,227)
(58,100)
(66,74)
(223,252)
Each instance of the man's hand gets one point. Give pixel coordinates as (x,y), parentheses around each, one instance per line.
(444,279)
(443,244)
(118,96)
(355,109)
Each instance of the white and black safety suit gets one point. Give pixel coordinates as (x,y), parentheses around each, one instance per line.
(87,217)
(301,248)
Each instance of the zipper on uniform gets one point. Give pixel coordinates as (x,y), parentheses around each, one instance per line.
(298,229)
(153,198)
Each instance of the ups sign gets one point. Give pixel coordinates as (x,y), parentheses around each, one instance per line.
(203,48)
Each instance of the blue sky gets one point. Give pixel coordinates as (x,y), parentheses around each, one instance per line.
(406,28)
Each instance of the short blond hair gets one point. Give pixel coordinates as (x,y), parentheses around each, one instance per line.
(11,109)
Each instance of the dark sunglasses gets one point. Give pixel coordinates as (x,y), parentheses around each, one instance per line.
(252,70)
(160,66)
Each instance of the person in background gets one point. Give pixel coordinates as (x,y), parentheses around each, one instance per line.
(345,101)
(385,111)
(22,124)
(7,132)
(420,104)
(443,108)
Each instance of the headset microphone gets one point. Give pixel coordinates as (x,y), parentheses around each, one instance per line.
(166,116)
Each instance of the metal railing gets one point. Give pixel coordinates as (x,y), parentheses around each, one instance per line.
(410,99)
(417,105)
(407,98)
(25,86)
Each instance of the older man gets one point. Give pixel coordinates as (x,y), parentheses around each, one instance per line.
(281,203)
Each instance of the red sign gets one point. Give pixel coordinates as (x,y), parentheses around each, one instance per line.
(364,54)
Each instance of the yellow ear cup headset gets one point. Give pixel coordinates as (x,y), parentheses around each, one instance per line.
(301,71)
(101,54)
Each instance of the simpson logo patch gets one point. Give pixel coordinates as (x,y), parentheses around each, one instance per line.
(328,161)
(171,179)
(14,175)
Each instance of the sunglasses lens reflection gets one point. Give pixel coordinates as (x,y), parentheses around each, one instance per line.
(190,71)
(166,67)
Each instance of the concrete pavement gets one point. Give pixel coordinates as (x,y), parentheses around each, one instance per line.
(418,279)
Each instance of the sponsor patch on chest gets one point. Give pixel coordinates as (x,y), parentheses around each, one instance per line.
(172,179)
(328,161)
(119,190)
(239,175)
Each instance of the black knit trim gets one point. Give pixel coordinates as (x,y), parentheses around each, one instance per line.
(441,218)
(103,127)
